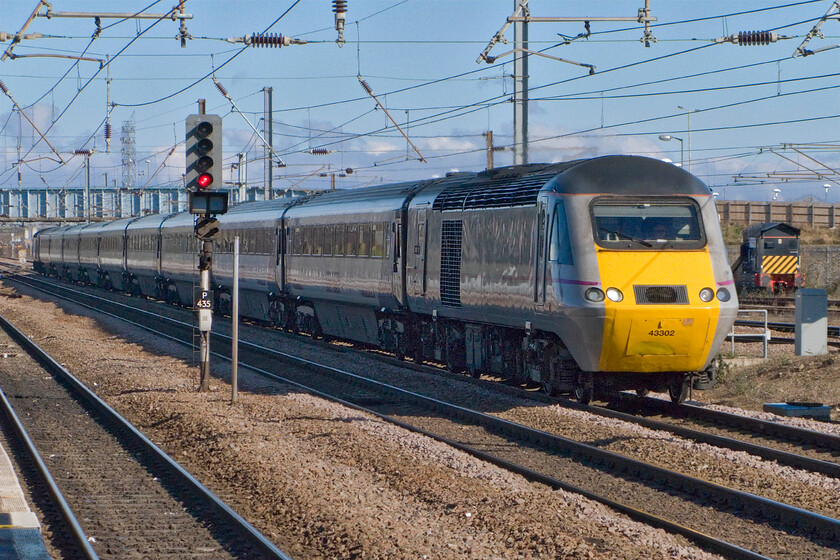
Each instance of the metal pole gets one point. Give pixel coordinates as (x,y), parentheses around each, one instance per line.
(520,86)
(240,186)
(204,267)
(234,352)
(489,136)
(689,141)
(682,158)
(87,187)
(269,143)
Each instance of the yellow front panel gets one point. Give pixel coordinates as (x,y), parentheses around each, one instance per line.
(654,337)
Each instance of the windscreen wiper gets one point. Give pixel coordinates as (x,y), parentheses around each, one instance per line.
(628,237)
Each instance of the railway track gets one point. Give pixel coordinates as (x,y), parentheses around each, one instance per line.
(739,521)
(793,446)
(118,495)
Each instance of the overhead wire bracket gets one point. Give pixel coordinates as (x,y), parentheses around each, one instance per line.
(224,92)
(5,90)
(369,91)
(832,13)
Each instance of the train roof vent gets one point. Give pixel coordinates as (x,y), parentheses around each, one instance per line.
(653,295)
(492,194)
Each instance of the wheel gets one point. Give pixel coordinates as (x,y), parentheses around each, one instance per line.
(585,389)
(548,388)
(455,359)
(417,354)
(678,389)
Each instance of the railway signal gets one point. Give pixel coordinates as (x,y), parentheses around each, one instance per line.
(204,151)
(204,160)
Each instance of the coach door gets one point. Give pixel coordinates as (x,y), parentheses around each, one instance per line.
(417,247)
(395,251)
(540,256)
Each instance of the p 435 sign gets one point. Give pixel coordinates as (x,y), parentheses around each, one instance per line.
(204,304)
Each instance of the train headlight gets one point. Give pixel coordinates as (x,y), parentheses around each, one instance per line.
(723,294)
(707,295)
(594,294)
(615,294)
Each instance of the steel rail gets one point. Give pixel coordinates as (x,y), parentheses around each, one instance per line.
(776,429)
(105,410)
(794,516)
(771,454)
(73,525)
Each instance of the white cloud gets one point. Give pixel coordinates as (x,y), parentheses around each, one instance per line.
(379,147)
(449,144)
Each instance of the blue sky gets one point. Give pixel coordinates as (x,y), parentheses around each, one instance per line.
(757,118)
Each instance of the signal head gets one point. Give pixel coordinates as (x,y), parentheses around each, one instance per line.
(203,150)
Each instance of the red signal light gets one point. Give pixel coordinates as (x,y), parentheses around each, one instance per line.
(204,180)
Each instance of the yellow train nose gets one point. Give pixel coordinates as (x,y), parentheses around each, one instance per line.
(665,338)
(662,324)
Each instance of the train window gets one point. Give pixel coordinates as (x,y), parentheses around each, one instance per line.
(338,242)
(329,239)
(364,240)
(377,249)
(318,240)
(351,240)
(265,241)
(307,241)
(621,223)
(560,249)
(297,241)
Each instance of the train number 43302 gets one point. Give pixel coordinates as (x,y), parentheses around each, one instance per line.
(657,332)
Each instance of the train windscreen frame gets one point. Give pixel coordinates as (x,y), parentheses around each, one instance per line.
(645,224)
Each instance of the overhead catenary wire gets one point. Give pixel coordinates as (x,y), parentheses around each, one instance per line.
(213,71)
(466,106)
(81,89)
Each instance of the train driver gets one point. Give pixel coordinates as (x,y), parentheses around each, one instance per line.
(656,229)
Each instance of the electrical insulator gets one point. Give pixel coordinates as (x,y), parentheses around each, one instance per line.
(366,86)
(749,38)
(3,87)
(82,152)
(221,88)
(753,38)
(340,8)
(107,131)
(270,40)
(319,151)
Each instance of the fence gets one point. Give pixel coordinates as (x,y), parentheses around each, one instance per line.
(798,214)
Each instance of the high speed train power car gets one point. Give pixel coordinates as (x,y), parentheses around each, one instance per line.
(607,273)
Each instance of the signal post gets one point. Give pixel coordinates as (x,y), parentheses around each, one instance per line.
(204,161)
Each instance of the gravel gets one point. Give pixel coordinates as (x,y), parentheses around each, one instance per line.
(325,481)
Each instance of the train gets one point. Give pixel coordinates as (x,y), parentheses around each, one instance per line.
(769,259)
(582,277)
